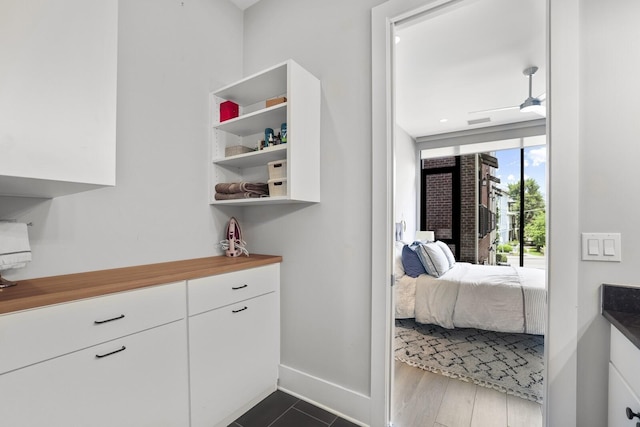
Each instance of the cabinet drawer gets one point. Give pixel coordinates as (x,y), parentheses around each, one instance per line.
(32,336)
(143,384)
(212,292)
(625,357)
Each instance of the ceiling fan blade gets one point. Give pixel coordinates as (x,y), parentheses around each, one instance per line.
(491,110)
(542,96)
(539,110)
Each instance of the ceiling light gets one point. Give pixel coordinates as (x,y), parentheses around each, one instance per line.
(397,39)
(444,120)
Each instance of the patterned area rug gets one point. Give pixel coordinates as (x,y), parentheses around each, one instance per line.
(511,363)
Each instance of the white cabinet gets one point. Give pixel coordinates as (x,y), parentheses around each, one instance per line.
(58,103)
(137,375)
(63,328)
(144,384)
(199,353)
(234,349)
(301,113)
(624,381)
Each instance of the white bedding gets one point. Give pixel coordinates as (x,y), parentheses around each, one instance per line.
(496,298)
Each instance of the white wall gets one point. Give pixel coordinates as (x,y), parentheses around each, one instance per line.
(609,180)
(407,176)
(326,272)
(171,54)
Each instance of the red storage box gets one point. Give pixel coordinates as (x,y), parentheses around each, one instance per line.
(228,110)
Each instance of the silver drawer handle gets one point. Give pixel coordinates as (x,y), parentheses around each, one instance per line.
(239,310)
(100,356)
(99,322)
(235,288)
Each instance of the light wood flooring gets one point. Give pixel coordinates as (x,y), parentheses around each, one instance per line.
(425,399)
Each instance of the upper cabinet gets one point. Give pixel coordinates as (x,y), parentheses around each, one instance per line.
(292,168)
(57,96)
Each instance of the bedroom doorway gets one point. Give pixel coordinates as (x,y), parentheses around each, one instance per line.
(429,357)
(421,396)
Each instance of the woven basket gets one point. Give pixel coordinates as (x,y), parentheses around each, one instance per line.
(236,149)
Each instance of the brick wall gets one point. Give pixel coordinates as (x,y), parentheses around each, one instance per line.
(468,188)
(484,243)
(439,206)
(440,162)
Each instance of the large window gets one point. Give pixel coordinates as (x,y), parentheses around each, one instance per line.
(523,235)
(472,201)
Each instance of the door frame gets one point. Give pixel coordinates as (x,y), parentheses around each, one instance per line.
(563,33)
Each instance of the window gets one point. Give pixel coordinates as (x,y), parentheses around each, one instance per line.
(472,202)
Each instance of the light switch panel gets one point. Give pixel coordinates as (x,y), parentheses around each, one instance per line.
(601,247)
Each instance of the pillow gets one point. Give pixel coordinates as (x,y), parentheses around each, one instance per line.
(433,259)
(413,267)
(447,252)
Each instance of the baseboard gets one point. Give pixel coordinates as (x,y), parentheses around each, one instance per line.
(250,404)
(345,403)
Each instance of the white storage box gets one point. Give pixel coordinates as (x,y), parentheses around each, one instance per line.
(277,187)
(277,169)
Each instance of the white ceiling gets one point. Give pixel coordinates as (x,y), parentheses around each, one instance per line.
(469,58)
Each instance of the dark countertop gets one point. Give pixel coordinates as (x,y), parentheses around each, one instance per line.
(621,307)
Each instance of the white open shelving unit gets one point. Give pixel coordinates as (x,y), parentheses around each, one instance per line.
(301,113)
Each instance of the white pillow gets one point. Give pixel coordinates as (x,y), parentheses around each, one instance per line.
(448,253)
(433,259)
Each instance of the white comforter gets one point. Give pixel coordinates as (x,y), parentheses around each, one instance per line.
(496,298)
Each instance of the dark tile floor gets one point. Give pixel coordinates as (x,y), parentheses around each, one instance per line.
(280,409)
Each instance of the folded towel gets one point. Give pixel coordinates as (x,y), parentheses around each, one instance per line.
(259,188)
(235,196)
(14,260)
(15,251)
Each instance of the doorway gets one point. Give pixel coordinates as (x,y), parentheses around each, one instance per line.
(427,394)
(419,12)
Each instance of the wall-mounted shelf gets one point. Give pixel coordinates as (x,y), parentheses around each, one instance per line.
(254,158)
(301,113)
(255,122)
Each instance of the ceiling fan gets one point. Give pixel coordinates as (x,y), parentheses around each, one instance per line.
(530,104)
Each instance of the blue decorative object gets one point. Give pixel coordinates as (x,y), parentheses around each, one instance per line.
(411,263)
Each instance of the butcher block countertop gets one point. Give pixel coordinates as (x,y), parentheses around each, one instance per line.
(33,293)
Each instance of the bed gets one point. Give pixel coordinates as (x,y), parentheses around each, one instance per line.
(494,298)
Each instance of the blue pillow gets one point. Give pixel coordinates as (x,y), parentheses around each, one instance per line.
(411,263)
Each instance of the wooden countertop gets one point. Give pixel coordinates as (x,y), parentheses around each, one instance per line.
(33,293)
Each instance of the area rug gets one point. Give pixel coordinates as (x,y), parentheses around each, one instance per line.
(511,363)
